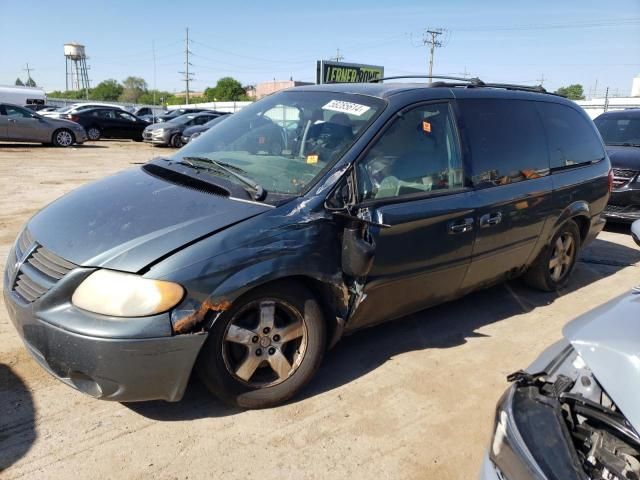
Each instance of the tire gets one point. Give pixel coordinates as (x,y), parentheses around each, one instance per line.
(553,267)
(63,138)
(94,133)
(176,140)
(239,359)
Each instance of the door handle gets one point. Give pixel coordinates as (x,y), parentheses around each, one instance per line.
(11,120)
(490,219)
(462,226)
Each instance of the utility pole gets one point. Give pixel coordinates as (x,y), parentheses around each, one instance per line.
(431,38)
(186,73)
(338,57)
(606,99)
(541,80)
(28,70)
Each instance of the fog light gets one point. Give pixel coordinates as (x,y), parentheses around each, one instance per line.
(85,384)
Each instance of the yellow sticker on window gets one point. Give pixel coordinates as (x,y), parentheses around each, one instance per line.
(311,159)
(426,126)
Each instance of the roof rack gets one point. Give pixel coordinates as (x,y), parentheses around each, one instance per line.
(474,81)
(468,82)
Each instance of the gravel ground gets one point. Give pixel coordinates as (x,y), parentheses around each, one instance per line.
(410,399)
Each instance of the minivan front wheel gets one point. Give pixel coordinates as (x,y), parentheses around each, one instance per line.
(553,267)
(265,348)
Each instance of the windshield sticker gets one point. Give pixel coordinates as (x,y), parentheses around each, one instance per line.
(312,159)
(426,126)
(346,107)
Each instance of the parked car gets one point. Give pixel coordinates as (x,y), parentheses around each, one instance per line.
(170,132)
(621,133)
(193,132)
(40,107)
(63,112)
(175,113)
(574,413)
(149,111)
(17,124)
(313,212)
(109,123)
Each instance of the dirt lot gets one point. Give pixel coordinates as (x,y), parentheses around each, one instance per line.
(410,399)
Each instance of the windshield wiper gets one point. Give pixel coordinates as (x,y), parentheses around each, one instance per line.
(259,193)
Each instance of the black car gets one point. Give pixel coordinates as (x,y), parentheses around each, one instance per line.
(170,132)
(620,131)
(177,112)
(190,133)
(309,214)
(109,123)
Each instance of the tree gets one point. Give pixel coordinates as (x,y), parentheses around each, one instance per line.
(226,89)
(134,87)
(107,90)
(19,83)
(30,82)
(572,92)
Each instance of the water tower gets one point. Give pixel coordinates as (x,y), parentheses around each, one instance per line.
(76,67)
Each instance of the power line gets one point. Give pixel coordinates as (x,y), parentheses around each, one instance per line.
(28,70)
(430,38)
(188,76)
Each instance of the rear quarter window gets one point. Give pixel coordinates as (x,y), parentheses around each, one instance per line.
(571,137)
(506,140)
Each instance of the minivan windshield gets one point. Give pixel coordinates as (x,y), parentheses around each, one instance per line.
(619,129)
(285,141)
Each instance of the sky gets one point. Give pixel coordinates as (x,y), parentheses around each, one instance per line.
(596,44)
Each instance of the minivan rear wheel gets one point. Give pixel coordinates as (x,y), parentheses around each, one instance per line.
(265,348)
(553,267)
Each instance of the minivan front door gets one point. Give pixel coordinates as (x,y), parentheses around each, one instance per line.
(411,180)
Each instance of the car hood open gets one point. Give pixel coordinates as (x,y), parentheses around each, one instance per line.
(608,340)
(127,221)
(624,157)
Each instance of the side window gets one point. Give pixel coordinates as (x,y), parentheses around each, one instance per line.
(506,140)
(15,112)
(417,153)
(125,116)
(106,114)
(572,140)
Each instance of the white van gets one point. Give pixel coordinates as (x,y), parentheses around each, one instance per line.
(22,95)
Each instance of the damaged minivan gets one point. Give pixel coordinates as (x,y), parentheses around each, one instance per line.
(312,213)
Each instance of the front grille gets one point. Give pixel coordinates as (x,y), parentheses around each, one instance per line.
(622,177)
(38,268)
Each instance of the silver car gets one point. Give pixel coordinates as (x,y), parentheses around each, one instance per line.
(575,412)
(18,124)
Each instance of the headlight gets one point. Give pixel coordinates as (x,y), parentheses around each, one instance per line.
(196,135)
(125,295)
(158,131)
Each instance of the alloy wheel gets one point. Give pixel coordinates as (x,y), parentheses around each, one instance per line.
(562,257)
(265,343)
(93,133)
(64,138)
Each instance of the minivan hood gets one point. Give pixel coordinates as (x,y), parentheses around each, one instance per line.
(608,340)
(126,221)
(624,157)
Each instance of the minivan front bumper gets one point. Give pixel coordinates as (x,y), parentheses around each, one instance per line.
(113,358)
(121,369)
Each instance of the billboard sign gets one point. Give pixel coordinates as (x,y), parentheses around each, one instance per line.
(339,72)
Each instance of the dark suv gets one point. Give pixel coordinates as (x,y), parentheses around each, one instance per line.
(311,213)
(620,131)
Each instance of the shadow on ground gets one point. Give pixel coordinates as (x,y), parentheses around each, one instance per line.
(17,418)
(26,146)
(444,326)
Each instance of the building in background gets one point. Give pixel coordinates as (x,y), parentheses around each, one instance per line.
(596,106)
(260,90)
